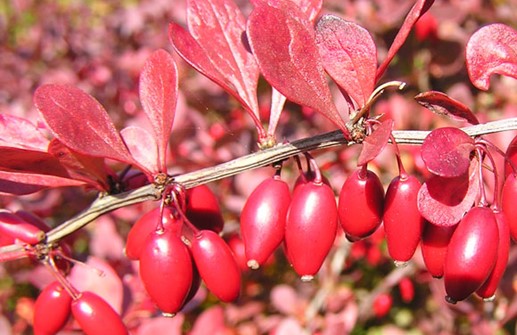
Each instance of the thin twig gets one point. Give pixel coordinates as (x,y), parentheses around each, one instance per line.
(255,160)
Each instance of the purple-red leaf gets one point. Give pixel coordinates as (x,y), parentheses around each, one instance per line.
(20,183)
(418,9)
(20,160)
(311,8)
(158,94)
(375,142)
(444,201)
(80,122)
(91,170)
(446,152)
(349,56)
(284,45)
(215,47)
(441,103)
(490,50)
(142,146)
(17,132)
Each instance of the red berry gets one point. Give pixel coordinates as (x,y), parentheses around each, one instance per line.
(263,220)
(310,228)
(361,203)
(96,316)
(511,156)
(166,270)
(487,290)
(471,254)
(203,209)
(51,310)
(509,194)
(382,304)
(144,226)
(237,246)
(16,227)
(216,265)
(435,240)
(407,290)
(403,223)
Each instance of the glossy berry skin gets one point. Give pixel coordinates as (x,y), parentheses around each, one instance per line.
(216,265)
(96,316)
(361,204)
(310,228)
(403,223)
(263,220)
(511,155)
(435,240)
(382,305)
(51,310)
(203,209)
(509,194)
(487,290)
(15,227)
(166,270)
(144,226)
(471,254)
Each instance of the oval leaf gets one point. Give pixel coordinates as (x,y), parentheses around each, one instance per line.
(444,201)
(492,49)
(142,146)
(441,103)
(91,170)
(20,183)
(285,47)
(446,152)
(158,95)
(18,132)
(80,122)
(349,56)
(219,27)
(375,142)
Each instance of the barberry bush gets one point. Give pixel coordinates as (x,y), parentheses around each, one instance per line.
(262,167)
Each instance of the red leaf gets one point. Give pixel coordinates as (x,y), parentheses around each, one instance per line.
(142,146)
(490,50)
(20,183)
(310,8)
(217,29)
(418,9)
(446,152)
(440,103)
(349,56)
(80,122)
(21,160)
(375,142)
(444,201)
(284,45)
(158,94)
(17,132)
(89,169)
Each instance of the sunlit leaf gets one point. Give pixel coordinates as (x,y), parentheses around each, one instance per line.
(441,103)
(158,94)
(285,47)
(446,152)
(491,50)
(80,122)
(18,132)
(142,146)
(349,56)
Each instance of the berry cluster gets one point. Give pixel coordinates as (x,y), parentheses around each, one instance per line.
(178,244)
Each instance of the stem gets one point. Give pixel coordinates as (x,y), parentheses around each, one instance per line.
(105,204)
